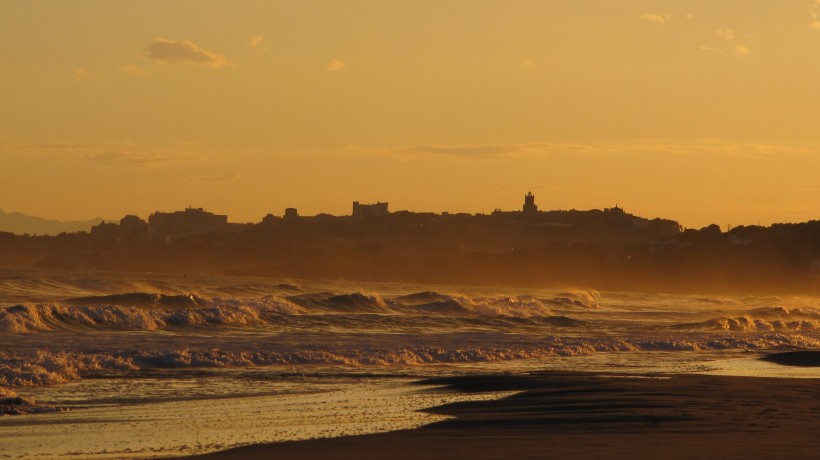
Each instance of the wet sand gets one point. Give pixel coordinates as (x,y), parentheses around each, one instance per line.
(584,415)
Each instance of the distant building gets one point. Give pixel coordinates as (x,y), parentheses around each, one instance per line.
(291,215)
(191,221)
(365,211)
(104,230)
(271,221)
(615,211)
(641,223)
(529,204)
(133,226)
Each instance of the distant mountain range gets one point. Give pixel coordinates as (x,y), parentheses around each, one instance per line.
(15,222)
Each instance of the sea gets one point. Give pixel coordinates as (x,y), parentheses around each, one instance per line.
(141,365)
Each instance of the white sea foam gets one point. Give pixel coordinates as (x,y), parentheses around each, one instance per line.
(49,367)
(225,312)
(92,325)
(764,319)
(13,404)
(143,311)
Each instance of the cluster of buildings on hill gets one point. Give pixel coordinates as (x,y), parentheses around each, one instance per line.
(606,247)
(197,221)
(190,222)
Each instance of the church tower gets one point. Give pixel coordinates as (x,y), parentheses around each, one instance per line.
(529,204)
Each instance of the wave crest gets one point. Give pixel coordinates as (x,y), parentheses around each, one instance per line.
(48,367)
(38,318)
(140,299)
(585,299)
(12,404)
(764,319)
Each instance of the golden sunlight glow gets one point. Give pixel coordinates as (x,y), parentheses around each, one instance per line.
(701,112)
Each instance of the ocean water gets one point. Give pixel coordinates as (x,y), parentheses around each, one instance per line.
(102,365)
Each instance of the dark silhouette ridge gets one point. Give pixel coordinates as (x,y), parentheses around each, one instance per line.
(604,249)
(795,358)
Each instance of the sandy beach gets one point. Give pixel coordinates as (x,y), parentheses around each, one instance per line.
(587,415)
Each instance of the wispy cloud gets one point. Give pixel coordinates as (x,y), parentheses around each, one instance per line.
(545,149)
(654,18)
(112,154)
(47,146)
(710,49)
(335,65)
(229,177)
(182,51)
(814,12)
(463,150)
(473,151)
(257,41)
(742,50)
(727,34)
(133,70)
(135,159)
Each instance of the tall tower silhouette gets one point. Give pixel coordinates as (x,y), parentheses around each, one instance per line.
(529,203)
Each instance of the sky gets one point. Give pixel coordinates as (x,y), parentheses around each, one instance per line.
(699,111)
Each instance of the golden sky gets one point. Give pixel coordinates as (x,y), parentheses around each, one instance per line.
(696,110)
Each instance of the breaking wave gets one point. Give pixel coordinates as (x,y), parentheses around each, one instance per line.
(150,311)
(434,303)
(523,306)
(354,303)
(765,319)
(585,299)
(140,299)
(49,367)
(12,404)
(38,318)
(70,328)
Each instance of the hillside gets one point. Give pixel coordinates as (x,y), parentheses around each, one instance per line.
(18,223)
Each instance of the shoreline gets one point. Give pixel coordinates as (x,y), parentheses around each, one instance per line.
(595,415)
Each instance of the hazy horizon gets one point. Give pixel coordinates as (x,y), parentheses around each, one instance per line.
(233,219)
(700,112)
